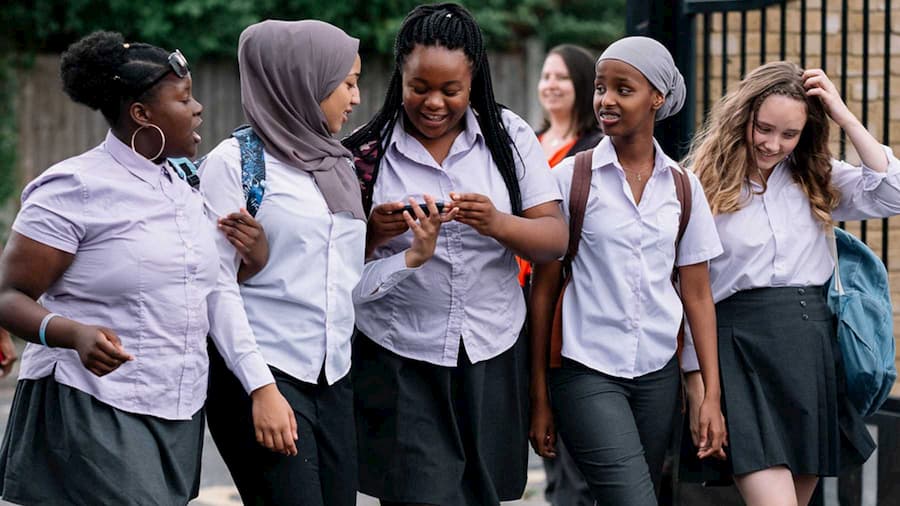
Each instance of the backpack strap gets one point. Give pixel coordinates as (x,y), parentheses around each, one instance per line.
(253,167)
(578,196)
(683,192)
(187,170)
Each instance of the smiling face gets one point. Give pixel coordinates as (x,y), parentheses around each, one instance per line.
(555,89)
(437,83)
(176,112)
(338,106)
(624,101)
(774,131)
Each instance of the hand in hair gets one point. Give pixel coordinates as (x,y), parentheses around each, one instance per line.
(249,240)
(818,84)
(384,223)
(869,150)
(476,211)
(425,230)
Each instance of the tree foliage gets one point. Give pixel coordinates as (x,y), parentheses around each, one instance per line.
(210,28)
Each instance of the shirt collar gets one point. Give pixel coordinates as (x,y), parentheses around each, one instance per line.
(403,142)
(605,155)
(136,164)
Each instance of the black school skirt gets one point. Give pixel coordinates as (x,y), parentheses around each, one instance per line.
(63,446)
(441,435)
(783,388)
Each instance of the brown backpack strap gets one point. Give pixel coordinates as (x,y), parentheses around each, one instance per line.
(683,192)
(578,196)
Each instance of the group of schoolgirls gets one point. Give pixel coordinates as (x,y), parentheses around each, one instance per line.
(408,232)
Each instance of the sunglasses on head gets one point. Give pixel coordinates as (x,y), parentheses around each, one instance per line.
(178,65)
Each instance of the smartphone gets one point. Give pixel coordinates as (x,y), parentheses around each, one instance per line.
(424,207)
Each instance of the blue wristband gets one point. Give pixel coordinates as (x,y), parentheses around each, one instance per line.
(43,330)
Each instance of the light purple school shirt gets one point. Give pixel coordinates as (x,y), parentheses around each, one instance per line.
(145,262)
(469,289)
(620,312)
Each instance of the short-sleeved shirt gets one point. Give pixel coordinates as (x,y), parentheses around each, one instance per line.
(296,314)
(469,290)
(621,313)
(145,262)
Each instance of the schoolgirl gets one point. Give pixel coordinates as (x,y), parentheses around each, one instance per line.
(616,393)
(440,374)
(775,191)
(280,404)
(106,274)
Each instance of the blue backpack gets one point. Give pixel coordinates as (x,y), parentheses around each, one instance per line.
(860,297)
(253,167)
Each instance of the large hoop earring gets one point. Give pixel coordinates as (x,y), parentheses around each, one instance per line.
(162,136)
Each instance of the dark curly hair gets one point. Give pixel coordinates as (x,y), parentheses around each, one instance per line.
(451,26)
(104,72)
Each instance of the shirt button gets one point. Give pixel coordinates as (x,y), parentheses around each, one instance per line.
(802,303)
(805,316)
(801,291)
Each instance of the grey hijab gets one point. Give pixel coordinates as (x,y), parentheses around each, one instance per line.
(654,61)
(287,69)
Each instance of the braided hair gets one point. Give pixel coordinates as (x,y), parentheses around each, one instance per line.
(451,26)
(104,72)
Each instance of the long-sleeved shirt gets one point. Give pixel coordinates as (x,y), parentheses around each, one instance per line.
(775,240)
(296,314)
(468,291)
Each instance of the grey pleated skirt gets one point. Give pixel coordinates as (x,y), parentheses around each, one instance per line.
(783,385)
(441,435)
(63,446)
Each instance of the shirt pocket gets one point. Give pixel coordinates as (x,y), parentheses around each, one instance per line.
(667,220)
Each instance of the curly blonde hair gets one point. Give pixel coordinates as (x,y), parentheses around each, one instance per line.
(723,159)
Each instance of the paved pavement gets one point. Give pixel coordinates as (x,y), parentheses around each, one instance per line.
(217,489)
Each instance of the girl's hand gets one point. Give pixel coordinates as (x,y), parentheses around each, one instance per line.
(274,421)
(248,238)
(425,230)
(385,222)
(99,349)
(8,352)
(713,436)
(818,84)
(543,431)
(476,211)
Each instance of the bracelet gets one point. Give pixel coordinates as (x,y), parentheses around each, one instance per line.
(42,331)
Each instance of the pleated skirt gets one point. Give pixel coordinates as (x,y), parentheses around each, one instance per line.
(783,390)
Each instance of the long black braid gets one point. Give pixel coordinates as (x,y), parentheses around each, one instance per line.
(451,26)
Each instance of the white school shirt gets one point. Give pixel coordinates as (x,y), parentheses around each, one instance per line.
(621,313)
(296,314)
(775,240)
(469,289)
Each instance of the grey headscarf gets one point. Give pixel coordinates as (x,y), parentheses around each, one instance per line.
(654,61)
(287,69)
